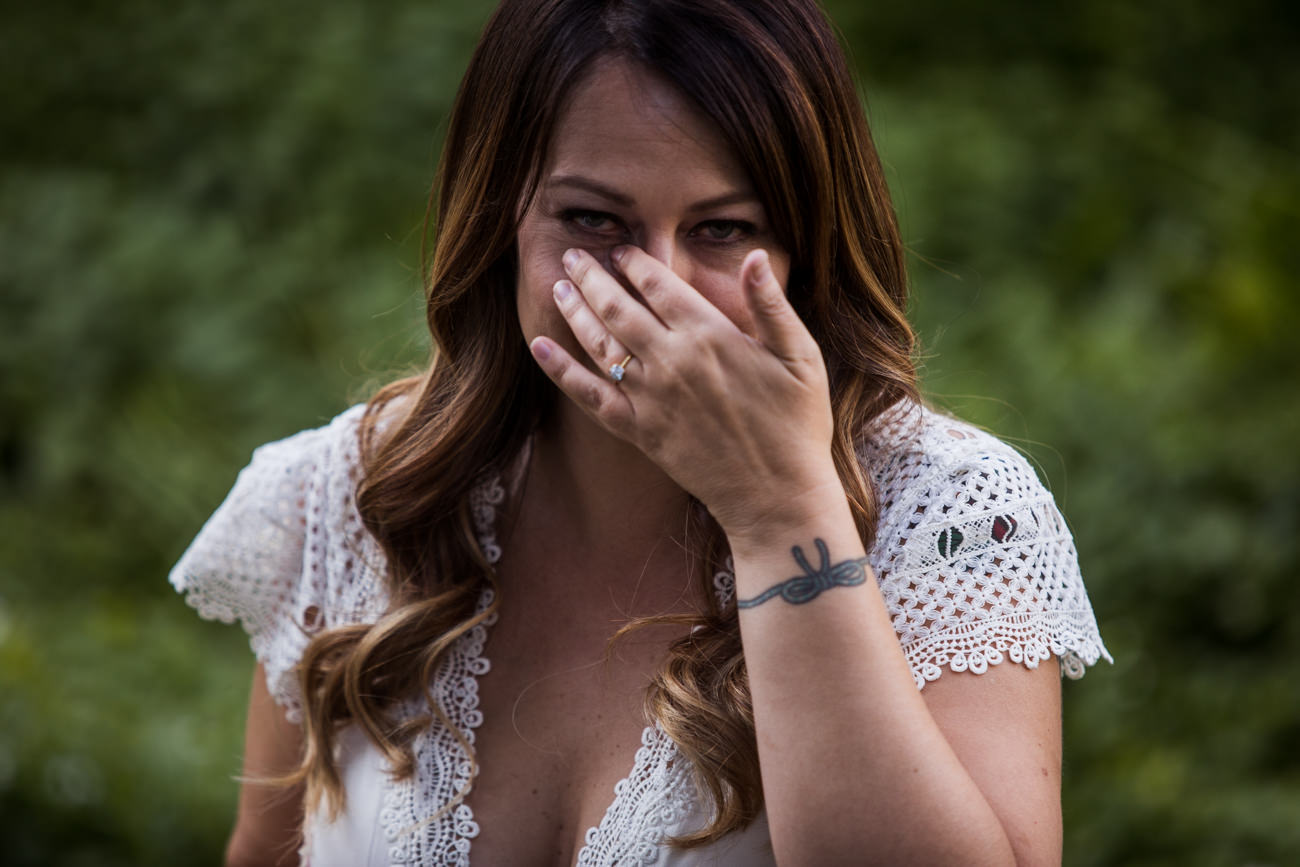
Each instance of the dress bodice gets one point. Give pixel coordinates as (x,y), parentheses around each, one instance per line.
(974,561)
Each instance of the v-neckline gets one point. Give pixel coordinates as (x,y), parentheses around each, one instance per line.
(440,758)
(655,747)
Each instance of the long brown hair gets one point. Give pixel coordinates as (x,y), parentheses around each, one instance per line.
(773,77)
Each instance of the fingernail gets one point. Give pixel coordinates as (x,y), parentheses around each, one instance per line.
(763,273)
(562,289)
(571,259)
(617,254)
(540,350)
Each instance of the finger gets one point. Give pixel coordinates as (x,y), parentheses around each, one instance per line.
(601,346)
(668,296)
(630,322)
(598,397)
(779,328)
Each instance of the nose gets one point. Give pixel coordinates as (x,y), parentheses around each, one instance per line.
(664,245)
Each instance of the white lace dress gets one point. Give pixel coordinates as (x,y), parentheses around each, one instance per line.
(972,556)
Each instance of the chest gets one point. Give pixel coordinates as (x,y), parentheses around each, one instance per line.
(561,728)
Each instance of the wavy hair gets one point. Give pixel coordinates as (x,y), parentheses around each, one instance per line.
(773,77)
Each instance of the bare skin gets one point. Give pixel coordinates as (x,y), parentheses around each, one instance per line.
(735,409)
(269,821)
(725,399)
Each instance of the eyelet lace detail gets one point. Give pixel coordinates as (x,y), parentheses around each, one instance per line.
(286,553)
(658,793)
(442,767)
(974,560)
(724,584)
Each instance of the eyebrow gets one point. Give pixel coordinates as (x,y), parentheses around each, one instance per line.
(581,183)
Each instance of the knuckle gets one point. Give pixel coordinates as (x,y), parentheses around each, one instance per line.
(609,311)
(652,440)
(619,423)
(652,284)
(669,361)
(593,396)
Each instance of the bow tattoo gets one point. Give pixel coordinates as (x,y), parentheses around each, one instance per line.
(807,587)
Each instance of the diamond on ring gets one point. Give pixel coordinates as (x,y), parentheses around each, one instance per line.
(619,370)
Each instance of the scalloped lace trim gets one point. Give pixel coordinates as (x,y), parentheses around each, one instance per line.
(657,794)
(1027,639)
(442,767)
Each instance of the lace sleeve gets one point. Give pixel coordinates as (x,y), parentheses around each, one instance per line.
(277,554)
(980,567)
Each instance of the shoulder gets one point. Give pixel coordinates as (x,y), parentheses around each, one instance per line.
(913,449)
(973,556)
(931,469)
(331,449)
(294,495)
(286,553)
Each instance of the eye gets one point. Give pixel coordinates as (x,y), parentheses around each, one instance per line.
(589,221)
(725,230)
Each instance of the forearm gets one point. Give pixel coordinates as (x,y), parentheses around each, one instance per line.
(854,767)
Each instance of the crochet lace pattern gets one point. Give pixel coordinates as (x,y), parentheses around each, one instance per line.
(973,560)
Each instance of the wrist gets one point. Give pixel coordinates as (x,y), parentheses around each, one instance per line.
(778,522)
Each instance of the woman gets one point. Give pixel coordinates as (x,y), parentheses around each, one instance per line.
(673,404)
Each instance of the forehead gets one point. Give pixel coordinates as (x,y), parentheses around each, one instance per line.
(623,117)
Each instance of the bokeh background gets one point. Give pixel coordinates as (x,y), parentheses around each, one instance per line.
(209,238)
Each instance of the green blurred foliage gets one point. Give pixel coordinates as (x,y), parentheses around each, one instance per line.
(209,237)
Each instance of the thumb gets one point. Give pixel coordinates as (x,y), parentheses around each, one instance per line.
(779,327)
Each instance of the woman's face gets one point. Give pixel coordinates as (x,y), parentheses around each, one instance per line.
(633,162)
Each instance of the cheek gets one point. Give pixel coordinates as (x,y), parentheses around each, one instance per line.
(723,290)
(539,267)
(540,245)
(724,293)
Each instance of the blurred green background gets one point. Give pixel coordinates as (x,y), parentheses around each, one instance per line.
(209,225)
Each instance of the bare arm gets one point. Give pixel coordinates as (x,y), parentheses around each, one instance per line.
(1005,727)
(269,823)
(858,766)
(857,763)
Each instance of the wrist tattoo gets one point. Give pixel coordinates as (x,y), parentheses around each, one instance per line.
(814,582)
